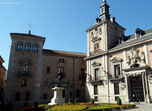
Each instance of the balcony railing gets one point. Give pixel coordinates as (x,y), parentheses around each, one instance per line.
(21,74)
(97,51)
(96,80)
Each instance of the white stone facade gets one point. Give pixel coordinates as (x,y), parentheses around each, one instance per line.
(118,65)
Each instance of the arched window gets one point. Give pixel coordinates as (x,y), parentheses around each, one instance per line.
(20,46)
(35,48)
(28,47)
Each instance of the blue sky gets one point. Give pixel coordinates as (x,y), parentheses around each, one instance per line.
(63,22)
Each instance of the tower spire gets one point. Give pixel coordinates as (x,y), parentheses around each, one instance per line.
(104,10)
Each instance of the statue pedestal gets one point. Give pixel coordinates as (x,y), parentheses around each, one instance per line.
(57,99)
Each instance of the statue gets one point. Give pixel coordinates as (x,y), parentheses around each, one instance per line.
(142,57)
(128,60)
(59,77)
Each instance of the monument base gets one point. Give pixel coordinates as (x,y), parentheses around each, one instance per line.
(57,99)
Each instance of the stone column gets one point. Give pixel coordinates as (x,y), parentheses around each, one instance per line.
(127,89)
(147,89)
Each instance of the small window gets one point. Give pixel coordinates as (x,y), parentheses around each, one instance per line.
(45,96)
(116,88)
(28,47)
(27,95)
(117,70)
(20,46)
(96,74)
(17,96)
(24,82)
(95,90)
(61,60)
(48,70)
(35,48)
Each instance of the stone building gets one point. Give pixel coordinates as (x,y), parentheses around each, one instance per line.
(2,78)
(118,65)
(32,71)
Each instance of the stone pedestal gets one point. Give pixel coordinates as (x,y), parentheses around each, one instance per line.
(57,99)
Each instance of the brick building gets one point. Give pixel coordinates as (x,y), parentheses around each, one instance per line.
(32,71)
(2,78)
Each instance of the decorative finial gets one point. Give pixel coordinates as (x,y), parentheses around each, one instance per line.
(29,28)
(105,1)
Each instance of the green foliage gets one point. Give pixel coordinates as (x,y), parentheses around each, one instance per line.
(119,102)
(92,101)
(69,101)
(75,101)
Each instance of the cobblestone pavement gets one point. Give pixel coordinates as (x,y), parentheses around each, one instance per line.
(142,107)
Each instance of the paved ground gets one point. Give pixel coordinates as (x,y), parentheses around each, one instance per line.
(141,107)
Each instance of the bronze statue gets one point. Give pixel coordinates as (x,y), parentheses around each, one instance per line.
(59,77)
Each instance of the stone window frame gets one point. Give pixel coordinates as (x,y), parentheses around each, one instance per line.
(27,47)
(115,92)
(61,60)
(35,47)
(95,89)
(20,46)
(116,61)
(96,65)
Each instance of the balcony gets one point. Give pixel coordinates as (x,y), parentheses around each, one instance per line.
(96,80)
(117,78)
(97,51)
(21,74)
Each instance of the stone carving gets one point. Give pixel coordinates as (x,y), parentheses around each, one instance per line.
(136,59)
(142,57)
(128,60)
(135,56)
(92,34)
(100,31)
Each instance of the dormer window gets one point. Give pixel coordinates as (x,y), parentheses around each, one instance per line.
(28,47)
(35,48)
(20,46)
